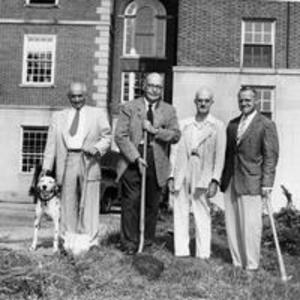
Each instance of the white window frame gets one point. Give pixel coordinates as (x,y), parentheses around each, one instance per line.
(26,49)
(131,85)
(272,42)
(28,3)
(160,14)
(35,128)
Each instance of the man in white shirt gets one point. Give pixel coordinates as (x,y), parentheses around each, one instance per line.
(197,162)
(77,138)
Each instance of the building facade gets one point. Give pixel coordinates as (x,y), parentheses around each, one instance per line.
(112,44)
(226,44)
(43,46)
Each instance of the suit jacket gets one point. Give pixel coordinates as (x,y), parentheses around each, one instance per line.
(210,141)
(97,133)
(129,134)
(251,164)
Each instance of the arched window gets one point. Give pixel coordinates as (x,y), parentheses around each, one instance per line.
(144,29)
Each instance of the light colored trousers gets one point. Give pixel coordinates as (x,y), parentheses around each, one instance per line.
(243,216)
(201,211)
(71,197)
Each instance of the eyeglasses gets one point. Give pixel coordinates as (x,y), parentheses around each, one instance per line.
(205,101)
(76,96)
(154,86)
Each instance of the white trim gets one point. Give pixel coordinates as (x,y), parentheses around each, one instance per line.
(254,71)
(53,61)
(52,22)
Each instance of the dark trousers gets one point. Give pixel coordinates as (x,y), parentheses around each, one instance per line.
(131,198)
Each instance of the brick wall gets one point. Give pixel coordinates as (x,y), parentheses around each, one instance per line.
(67,10)
(75,59)
(210,31)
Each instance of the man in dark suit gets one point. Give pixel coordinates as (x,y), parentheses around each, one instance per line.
(159,119)
(248,177)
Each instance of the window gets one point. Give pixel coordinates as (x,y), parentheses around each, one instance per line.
(132,85)
(144,29)
(38,60)
(265,95)
(41,2)
(33,145)
(258,42)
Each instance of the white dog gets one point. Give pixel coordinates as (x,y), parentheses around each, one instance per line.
(48,203)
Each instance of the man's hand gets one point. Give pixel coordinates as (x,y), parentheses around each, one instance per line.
(91,151)
(149,128)
(212,189)
(266,192)
(142,164)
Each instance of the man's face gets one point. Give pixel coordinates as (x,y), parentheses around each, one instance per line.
(247,102)
(77,95)
(153,87)
(203,102)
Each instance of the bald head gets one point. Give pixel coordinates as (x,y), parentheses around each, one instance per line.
(77,94)
(203,101)
(204,93)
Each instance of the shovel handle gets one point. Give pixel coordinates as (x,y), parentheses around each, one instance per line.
(143,192)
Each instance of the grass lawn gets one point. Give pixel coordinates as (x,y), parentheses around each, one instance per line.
(107,273)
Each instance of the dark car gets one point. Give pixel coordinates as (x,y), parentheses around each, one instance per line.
(110,187)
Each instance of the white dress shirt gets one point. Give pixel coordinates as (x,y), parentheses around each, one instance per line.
(75,141)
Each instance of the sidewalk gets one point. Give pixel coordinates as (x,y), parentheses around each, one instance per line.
(16,226)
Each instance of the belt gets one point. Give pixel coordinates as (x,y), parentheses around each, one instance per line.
(75,150)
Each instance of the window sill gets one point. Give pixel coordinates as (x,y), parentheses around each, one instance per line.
(42,5)
(141,57)
(258,70)
(33,85)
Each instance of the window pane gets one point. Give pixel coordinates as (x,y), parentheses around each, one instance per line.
(42,1)
(268,27)
(144,38)
(39,56)
(33,146)
(258,27)
(257,56)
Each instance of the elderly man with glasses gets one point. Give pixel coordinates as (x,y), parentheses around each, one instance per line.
(78,136)
(197,163)
(149,113)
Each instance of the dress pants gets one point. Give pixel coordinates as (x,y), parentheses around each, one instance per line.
(71,196)
(131,198)
(199,204)
(243,216)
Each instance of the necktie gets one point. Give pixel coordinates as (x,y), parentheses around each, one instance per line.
(150,114)
(74,126)
(241,128)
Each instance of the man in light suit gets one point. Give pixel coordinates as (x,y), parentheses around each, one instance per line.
(197,163)
(159,119)
(77,137)
(248,177)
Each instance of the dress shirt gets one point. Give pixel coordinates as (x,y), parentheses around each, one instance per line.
(75,142)
(244,124)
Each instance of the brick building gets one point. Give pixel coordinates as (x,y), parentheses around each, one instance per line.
(111,44)
(43,46)
(226,44)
